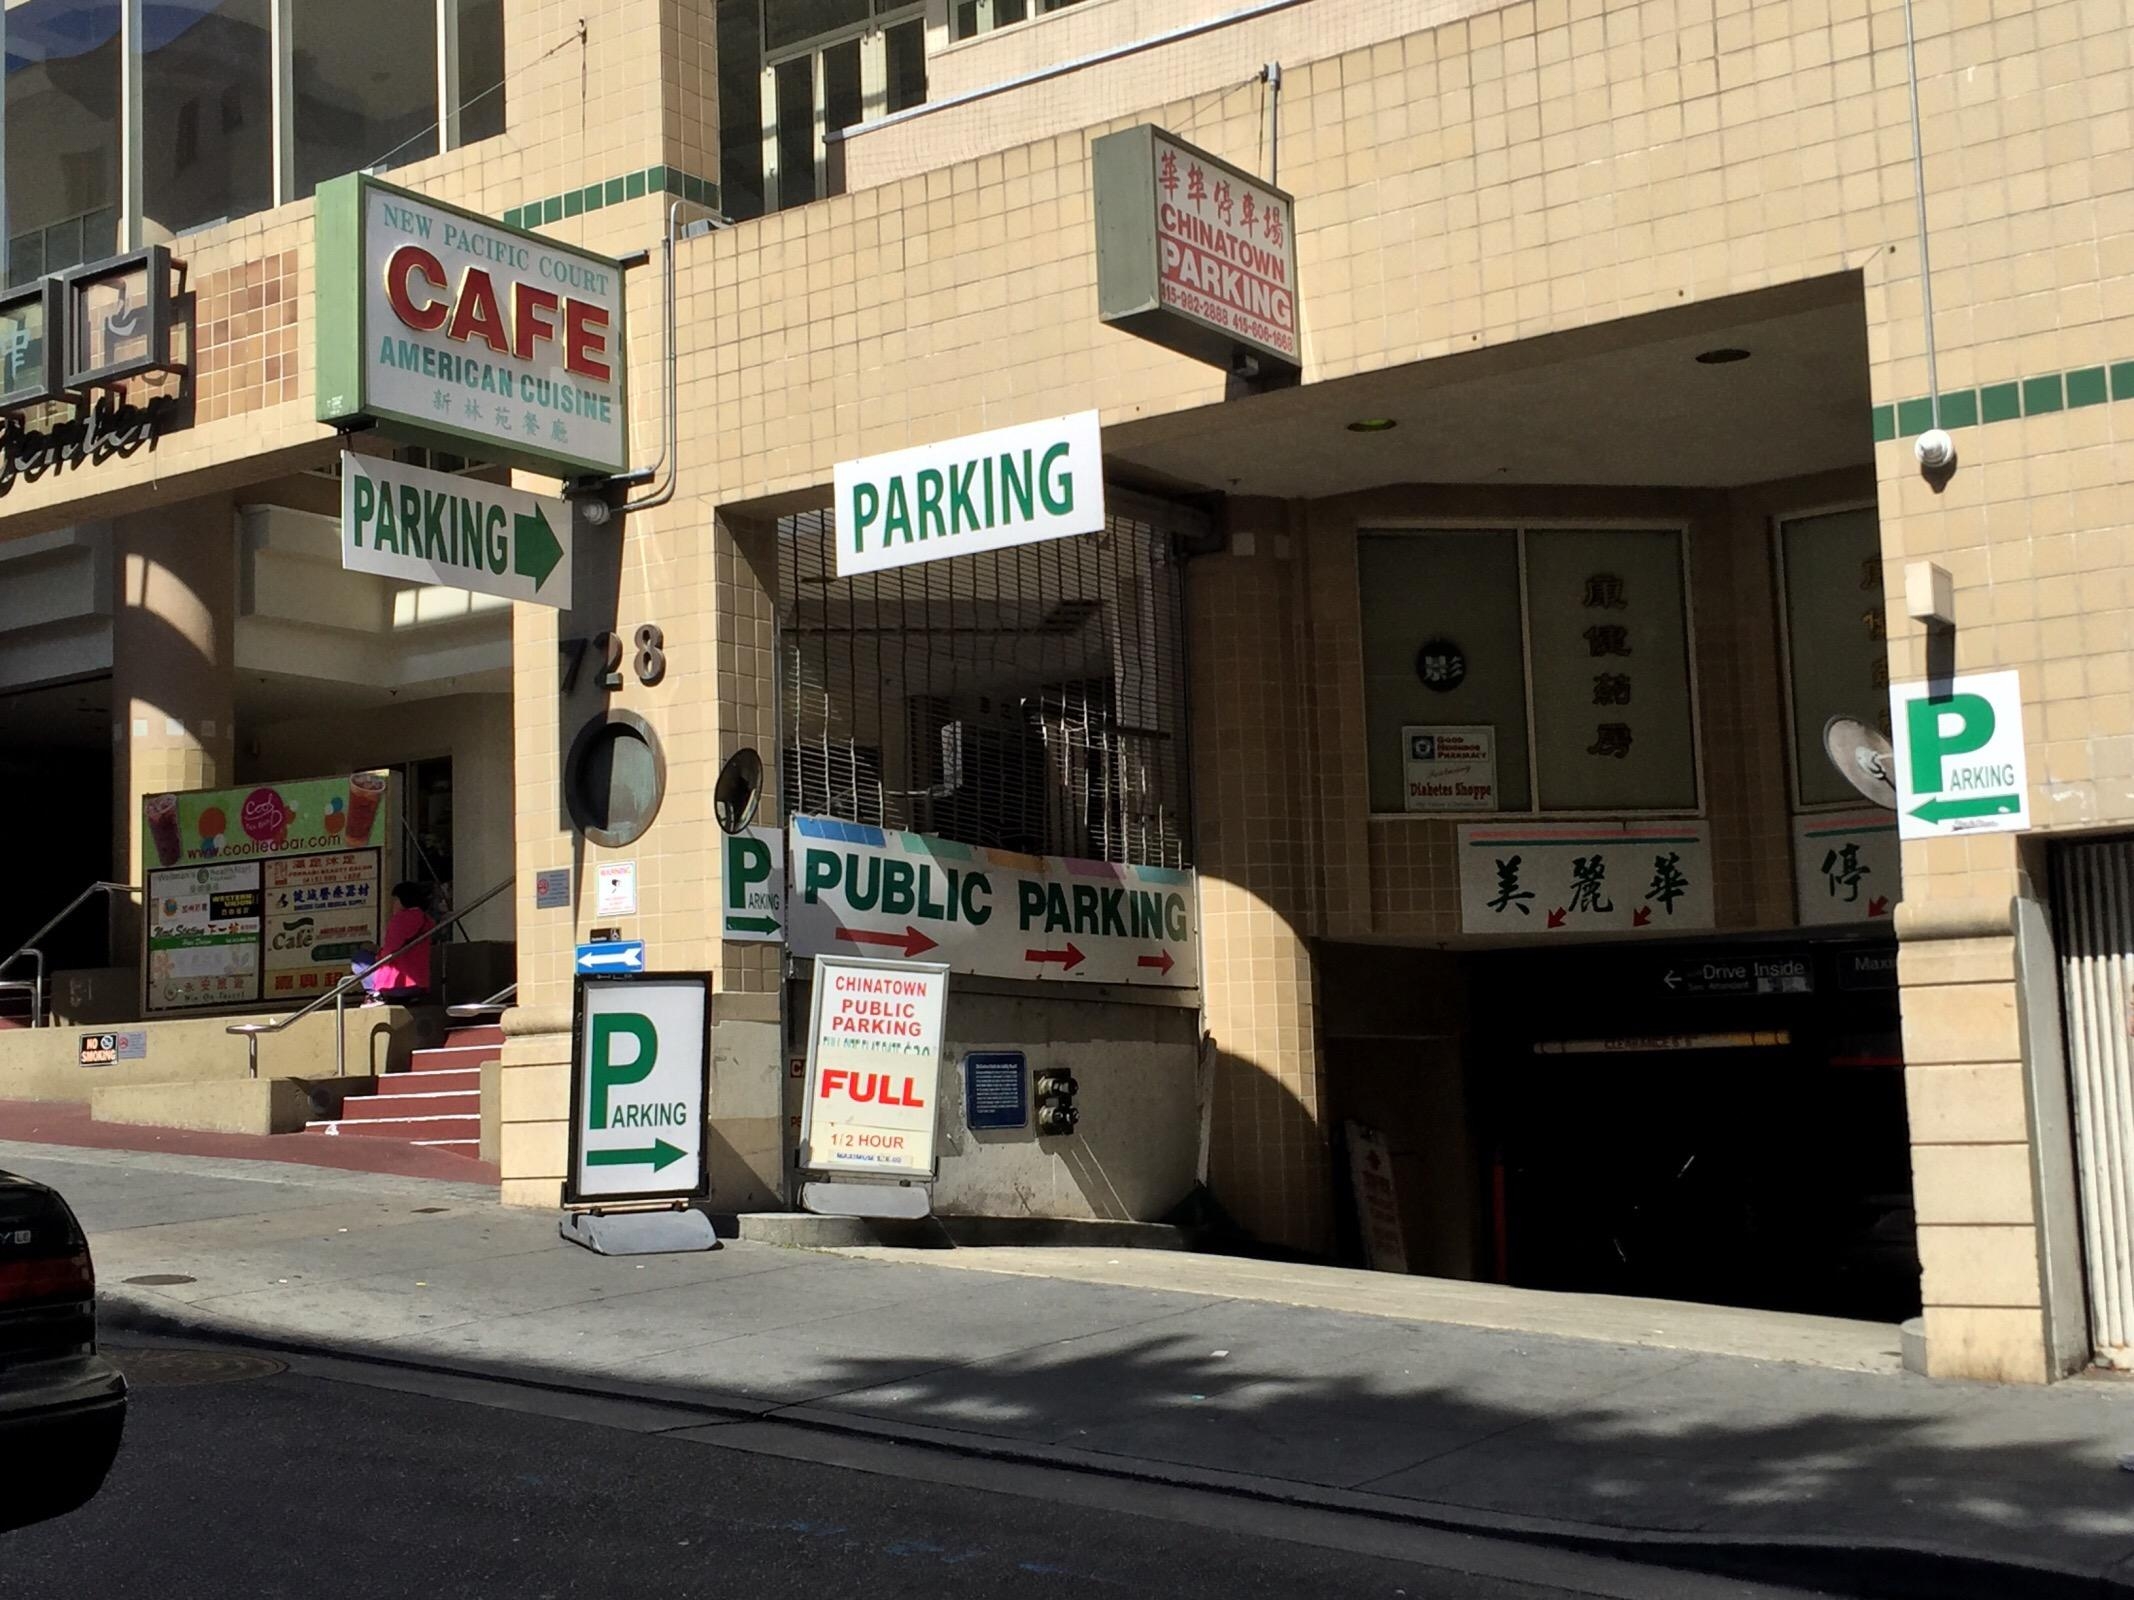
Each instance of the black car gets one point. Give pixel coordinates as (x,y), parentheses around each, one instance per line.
(62,1405)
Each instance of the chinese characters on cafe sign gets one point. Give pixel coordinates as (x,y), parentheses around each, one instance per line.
(1527,880)
(1193,253)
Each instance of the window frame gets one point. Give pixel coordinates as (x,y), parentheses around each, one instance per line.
(282,131)
(1519,528)
(873,36)
(1801,806)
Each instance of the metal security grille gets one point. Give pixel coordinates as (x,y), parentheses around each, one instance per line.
(2093,894)
(1030,699)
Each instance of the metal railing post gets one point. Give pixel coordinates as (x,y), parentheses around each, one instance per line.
(340,1032)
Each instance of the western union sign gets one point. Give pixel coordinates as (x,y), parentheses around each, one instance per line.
(986,491)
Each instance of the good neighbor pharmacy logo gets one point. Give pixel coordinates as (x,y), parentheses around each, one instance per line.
(1959,750)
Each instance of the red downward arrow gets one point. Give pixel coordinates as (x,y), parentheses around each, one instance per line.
(1069,958)
(911,941)
(1556,917)
(1161,961)
(1878,907)
(1641,916)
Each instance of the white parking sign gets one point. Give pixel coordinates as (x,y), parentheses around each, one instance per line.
(638,1088)
(1959,752)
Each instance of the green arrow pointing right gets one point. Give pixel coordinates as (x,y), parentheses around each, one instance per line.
(535,547)
(1985,805)
(752,924)
(660,1154)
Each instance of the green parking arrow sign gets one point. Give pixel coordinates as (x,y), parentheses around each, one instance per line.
(640,1047)
(420,526)
(1959,756)
(752,888)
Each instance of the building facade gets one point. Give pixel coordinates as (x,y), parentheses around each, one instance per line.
(1478,671)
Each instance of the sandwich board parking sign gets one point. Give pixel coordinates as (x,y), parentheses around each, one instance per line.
(640,1046)
(1959,756)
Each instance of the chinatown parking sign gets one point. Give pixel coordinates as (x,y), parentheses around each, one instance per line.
(874,1068)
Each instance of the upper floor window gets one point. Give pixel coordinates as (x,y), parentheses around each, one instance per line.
(974,17)
(355,86)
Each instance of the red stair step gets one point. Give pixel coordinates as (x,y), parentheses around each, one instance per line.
(457,1080)
(413,1129)
(450,1057)
(490,1035)
(371,1107)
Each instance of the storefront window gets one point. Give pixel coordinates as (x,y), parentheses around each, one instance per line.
(366,87)
(1464,632)
(1837,652)
(1442,647)
(207,88)
(62,135)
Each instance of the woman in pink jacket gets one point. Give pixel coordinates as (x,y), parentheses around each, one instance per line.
(402,978)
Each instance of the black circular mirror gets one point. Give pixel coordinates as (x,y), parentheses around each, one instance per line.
(615,778)
(739,791)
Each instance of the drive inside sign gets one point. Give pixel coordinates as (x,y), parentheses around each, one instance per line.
(874,1068)
(640,1046)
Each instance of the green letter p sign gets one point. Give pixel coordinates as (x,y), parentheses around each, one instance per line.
(1940,729)
(608,1073)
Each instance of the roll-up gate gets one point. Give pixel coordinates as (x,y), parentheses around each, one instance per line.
(2093,893)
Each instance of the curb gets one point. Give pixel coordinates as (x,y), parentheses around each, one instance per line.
(808,1231)
(1890,1570)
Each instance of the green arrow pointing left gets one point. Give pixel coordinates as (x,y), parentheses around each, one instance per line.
(1985,805)
(535,547)
(660,1154)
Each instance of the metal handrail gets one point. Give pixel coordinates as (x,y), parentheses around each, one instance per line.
(338,995)
(476,1008)
(29,945)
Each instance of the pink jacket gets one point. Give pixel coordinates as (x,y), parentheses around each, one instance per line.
(411,968)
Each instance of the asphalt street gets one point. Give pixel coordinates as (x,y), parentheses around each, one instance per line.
(245,1476)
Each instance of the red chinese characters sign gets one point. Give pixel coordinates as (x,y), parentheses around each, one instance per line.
(1194,253)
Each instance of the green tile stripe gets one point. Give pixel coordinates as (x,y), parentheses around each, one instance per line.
(613,192)
(2004,402)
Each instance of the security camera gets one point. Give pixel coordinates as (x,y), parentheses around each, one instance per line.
(1935,449)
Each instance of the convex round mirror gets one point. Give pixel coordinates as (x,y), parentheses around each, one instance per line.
(739,791)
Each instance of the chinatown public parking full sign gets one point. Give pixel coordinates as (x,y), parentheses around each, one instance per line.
(1193,253)
(443,327)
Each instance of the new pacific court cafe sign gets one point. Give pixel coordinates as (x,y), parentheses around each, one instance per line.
(70,343)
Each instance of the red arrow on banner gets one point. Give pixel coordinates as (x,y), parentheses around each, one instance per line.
(1556,917)
(1161,961)
(911,941)
(1641,916)
(1878,907)
(1069,958)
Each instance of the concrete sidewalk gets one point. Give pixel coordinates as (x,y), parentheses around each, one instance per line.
(1867,1481)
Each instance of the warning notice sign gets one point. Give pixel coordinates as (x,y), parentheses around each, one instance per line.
(874,1068)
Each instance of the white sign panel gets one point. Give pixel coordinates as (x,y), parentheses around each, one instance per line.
(438,527)
(1226,248)
(753,886)
(874,891)
(1847,866)
(1960,766)
(480,330)
(616,891)
(874,1068)
(986,491)
(1555,880)
(638,1088)
(1449,769)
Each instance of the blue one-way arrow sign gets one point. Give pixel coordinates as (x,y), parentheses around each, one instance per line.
(621,955)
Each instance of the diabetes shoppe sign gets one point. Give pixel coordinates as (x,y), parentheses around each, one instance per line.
(260,893)
(444,327)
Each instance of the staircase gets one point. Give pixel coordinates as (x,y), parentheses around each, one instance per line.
(437,1102)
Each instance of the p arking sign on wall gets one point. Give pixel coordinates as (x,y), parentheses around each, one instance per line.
(1193,253)
(1959,756)
(436,527)
(985,491)
(447,328)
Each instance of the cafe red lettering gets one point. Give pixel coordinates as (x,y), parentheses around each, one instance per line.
(407,261)
(477,314)
(529,305)
(585,337)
